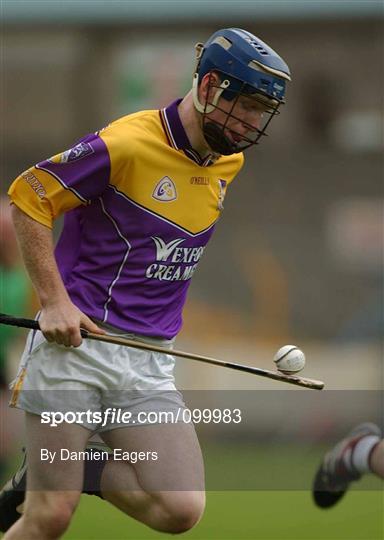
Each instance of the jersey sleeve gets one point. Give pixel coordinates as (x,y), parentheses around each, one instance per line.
(64,181)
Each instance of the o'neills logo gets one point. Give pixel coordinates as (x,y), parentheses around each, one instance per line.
(199,180)
(181,261)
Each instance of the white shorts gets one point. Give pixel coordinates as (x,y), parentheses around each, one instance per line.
(98,377)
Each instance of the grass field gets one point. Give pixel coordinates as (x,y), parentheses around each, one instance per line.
(247,515)
(280,509)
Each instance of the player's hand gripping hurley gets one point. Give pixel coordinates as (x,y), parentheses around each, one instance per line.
(276,375)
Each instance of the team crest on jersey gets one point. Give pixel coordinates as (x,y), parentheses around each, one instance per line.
(165,190)
(222,191)
(73,154)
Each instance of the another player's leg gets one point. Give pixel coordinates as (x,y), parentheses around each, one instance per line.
(53,486)
(361,451)
(166,494)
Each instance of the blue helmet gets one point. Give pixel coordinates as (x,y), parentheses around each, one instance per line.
(246,66)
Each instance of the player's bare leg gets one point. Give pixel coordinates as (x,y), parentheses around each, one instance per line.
(166,494)
(53,490)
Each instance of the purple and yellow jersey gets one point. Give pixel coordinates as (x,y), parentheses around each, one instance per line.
(140,206)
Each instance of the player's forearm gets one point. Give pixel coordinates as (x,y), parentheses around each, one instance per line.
(36,245)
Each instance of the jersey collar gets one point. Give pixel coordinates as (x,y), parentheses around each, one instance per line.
(177,136)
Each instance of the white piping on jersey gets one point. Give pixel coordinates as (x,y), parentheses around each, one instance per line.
(161,217)
(122,263)
(62,183)
(194,154)
(203,162)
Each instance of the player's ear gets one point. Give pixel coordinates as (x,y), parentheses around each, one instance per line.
(208,85)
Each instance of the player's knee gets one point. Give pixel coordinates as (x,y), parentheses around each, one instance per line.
(51,518)
(184,511)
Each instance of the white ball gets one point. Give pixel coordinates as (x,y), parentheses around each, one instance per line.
(289,359)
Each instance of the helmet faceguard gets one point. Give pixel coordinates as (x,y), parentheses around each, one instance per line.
(216,133)
(246,69)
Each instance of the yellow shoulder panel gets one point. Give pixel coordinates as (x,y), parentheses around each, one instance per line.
(163,180)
